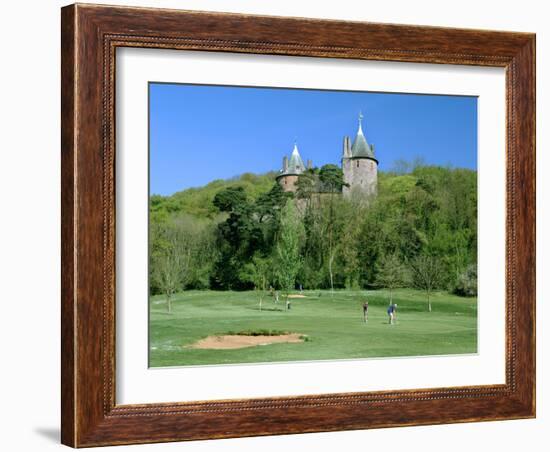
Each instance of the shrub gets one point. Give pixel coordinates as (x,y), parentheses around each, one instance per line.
(466,284)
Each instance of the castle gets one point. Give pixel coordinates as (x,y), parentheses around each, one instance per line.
(359,166)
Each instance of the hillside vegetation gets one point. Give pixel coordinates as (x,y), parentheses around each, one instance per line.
(244,233)
(198,201)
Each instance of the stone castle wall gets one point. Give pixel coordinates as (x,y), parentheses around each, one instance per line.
(348,175)
(361,175)
(288,183)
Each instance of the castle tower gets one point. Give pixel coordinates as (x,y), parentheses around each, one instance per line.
(291,170)
(346,165)
(359,165)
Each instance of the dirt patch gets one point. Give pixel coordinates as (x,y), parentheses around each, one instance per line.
(230,341)
(297,296)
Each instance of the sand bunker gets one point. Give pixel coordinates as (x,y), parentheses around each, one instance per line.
(297,296)
(240,341)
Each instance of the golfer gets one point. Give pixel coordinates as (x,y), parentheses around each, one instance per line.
(366,311)
(392,312)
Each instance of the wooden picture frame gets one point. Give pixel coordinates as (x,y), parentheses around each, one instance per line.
(90,35)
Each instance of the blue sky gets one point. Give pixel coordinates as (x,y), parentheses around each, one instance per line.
(200,133)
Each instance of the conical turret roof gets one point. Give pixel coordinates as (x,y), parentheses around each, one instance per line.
(360,148)
(296,164)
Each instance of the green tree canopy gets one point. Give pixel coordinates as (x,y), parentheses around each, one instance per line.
(331,178)
(423,211)
(229,199)
(288,248)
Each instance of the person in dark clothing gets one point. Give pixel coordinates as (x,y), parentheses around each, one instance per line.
(392,313)
(366,311)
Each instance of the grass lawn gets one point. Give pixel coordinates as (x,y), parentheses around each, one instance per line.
(333,325)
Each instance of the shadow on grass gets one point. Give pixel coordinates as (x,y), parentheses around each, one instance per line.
(266,309)
(166,313)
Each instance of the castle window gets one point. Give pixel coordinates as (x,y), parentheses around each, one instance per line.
(357,163)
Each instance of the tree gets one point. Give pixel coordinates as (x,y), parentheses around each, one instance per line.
(229,199)
(267,214)
(168,277)
(288,248)
(258,272)
(350,216)
(269,204)
(427,274)
(332,178)
(238,238)
(430,210)
(391,273)
(172,260)
(332,181)
(307,184)
(467,282)
(312,273)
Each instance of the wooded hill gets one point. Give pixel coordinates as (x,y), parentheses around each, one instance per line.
(198,201)
(245,232)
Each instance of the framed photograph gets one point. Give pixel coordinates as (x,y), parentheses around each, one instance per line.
(282,225)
